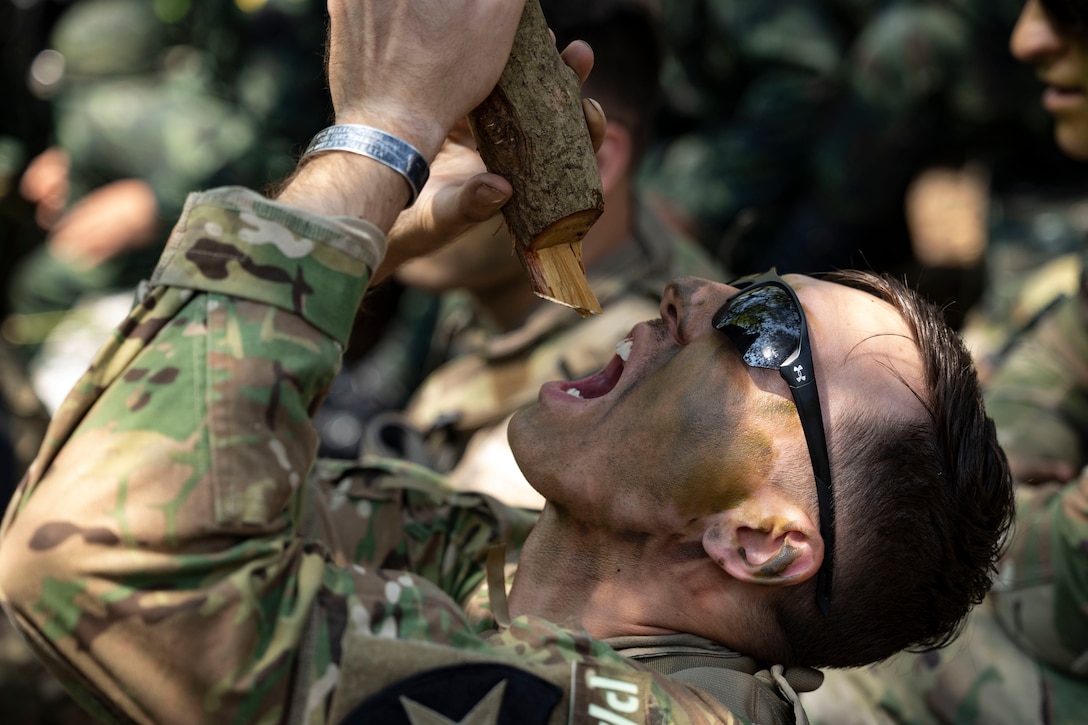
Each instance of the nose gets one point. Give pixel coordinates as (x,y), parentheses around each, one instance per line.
(688,305)
(1034,39)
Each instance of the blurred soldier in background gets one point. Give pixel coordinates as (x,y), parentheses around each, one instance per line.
(24,132)
(152,100)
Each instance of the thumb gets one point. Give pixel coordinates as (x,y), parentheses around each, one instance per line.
(478,200)
(441,216)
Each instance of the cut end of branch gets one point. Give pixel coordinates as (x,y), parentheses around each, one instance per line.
(570,229)
(557,274)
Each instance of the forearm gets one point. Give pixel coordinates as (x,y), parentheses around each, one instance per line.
(347,185)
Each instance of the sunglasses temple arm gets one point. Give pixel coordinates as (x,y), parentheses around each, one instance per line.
(807,399)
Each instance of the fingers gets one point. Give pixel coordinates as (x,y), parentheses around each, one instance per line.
(446,213)
(479,200)
(45,183)
(579,56)
(441,216)
(595,120)
(1039,471)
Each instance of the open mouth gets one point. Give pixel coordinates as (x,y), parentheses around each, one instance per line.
(603,382)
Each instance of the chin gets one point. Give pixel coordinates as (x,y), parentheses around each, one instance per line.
(519,438)
(1073,139)
(538,460)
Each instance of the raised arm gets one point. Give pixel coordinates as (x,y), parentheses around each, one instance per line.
(153,555)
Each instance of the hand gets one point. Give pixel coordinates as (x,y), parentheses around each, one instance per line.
(460,193)
(45,183)
(413,68)
(1036,471)
(120,217)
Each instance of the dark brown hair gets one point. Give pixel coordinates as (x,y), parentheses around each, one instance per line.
(922,508)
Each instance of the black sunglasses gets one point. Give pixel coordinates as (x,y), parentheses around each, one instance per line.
(767,325)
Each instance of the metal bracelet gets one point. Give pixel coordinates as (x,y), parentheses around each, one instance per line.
(385,148)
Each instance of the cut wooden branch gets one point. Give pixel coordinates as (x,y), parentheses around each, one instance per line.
(531,131)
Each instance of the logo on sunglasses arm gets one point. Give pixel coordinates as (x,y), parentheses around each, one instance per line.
(799,373)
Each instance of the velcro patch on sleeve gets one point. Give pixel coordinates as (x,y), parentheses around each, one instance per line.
(608,696)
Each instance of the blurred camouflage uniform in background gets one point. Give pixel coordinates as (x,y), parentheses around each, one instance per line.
(24,131)
(796,128)
(184,95)
(1023,657)
(746,92)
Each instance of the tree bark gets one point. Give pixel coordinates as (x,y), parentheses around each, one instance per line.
(531,131)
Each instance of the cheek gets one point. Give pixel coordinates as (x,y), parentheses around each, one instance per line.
(720,440)
(729,474)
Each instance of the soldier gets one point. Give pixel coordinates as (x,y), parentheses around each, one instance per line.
(1021,658)
(170,557)
(496,343)
(154,101)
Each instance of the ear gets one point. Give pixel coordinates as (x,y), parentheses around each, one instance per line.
(614,155)
(765,544)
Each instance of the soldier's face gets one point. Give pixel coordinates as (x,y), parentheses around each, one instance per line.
(683,428)
(1062,63)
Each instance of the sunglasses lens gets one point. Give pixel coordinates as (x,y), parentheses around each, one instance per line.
(763,324)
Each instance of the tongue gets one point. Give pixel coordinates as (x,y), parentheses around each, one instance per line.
(600,383)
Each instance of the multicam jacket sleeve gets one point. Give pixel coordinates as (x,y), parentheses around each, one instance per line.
(1039,401)
(176,556)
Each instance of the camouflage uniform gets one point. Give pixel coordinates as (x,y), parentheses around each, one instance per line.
(176,556)
(484,376)
(1023,657)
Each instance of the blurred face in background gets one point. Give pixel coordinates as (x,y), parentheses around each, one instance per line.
(1060,56)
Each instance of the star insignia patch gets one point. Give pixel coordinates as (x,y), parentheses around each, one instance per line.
(471,694)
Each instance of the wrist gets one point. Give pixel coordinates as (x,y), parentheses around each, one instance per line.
(345,184)
(421,130)
(373,143)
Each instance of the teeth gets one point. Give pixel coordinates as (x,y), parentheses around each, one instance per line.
(573,391)
(623,348)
